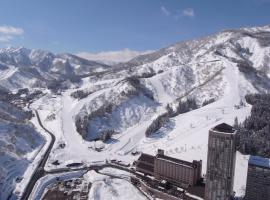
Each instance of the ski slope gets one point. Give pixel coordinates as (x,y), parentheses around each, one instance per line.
(139,91)
(184,136)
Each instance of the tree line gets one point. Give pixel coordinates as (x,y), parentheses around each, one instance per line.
(253,134)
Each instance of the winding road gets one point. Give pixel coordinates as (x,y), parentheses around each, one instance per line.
(39,172)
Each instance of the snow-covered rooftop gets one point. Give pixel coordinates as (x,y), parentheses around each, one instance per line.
(259,161)
(225,128)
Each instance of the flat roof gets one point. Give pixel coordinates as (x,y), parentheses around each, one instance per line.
(175,160)
(147,158)
(225,128)
(259,161)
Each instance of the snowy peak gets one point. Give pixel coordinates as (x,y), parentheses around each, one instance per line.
(166,99)
(21,67)
(232,62)
(188,49)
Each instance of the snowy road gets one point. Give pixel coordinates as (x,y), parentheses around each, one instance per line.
(39,172)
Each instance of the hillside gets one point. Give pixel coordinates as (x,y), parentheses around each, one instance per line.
(20,142)
(84,100)
(24,68)
(200,69)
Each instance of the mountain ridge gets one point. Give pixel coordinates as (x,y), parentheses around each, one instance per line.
(83,100)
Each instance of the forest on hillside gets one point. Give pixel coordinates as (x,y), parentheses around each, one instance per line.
(253,135)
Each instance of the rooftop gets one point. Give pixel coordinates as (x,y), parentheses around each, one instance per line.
(147,158)
(259,161)
(225,128)
(175,160)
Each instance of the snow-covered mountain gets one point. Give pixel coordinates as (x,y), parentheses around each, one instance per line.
(96,99)
(201,69)
(19,143)
(21,67)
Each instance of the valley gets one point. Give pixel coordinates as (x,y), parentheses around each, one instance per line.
(92,114)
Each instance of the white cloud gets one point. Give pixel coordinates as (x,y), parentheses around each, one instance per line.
(5,38)
(112,57)
(188,12)
(165,11)
(10,30)
(7,33)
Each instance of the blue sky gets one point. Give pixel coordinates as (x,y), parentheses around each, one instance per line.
(108,25)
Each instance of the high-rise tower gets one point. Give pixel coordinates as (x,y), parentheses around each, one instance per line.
(220,163)
(258,179)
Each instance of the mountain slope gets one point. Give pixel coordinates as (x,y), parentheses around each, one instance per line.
(19,142)
(222,68)
(125,99)
(21,67)
(195,69)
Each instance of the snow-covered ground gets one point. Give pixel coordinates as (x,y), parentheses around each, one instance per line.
(107,188)
(108,184)
(22,144)
(47,180)
(115,172)
(202,69)
(35,157)
(184,136)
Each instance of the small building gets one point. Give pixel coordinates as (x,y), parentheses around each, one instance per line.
(258,179)
(220,162)
(145,164)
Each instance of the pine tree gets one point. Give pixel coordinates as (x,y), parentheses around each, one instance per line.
(236,124)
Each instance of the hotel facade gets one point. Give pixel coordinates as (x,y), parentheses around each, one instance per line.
(220,162)
(258,179)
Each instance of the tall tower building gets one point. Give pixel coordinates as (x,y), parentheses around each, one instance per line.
(258,179)
(220,163)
